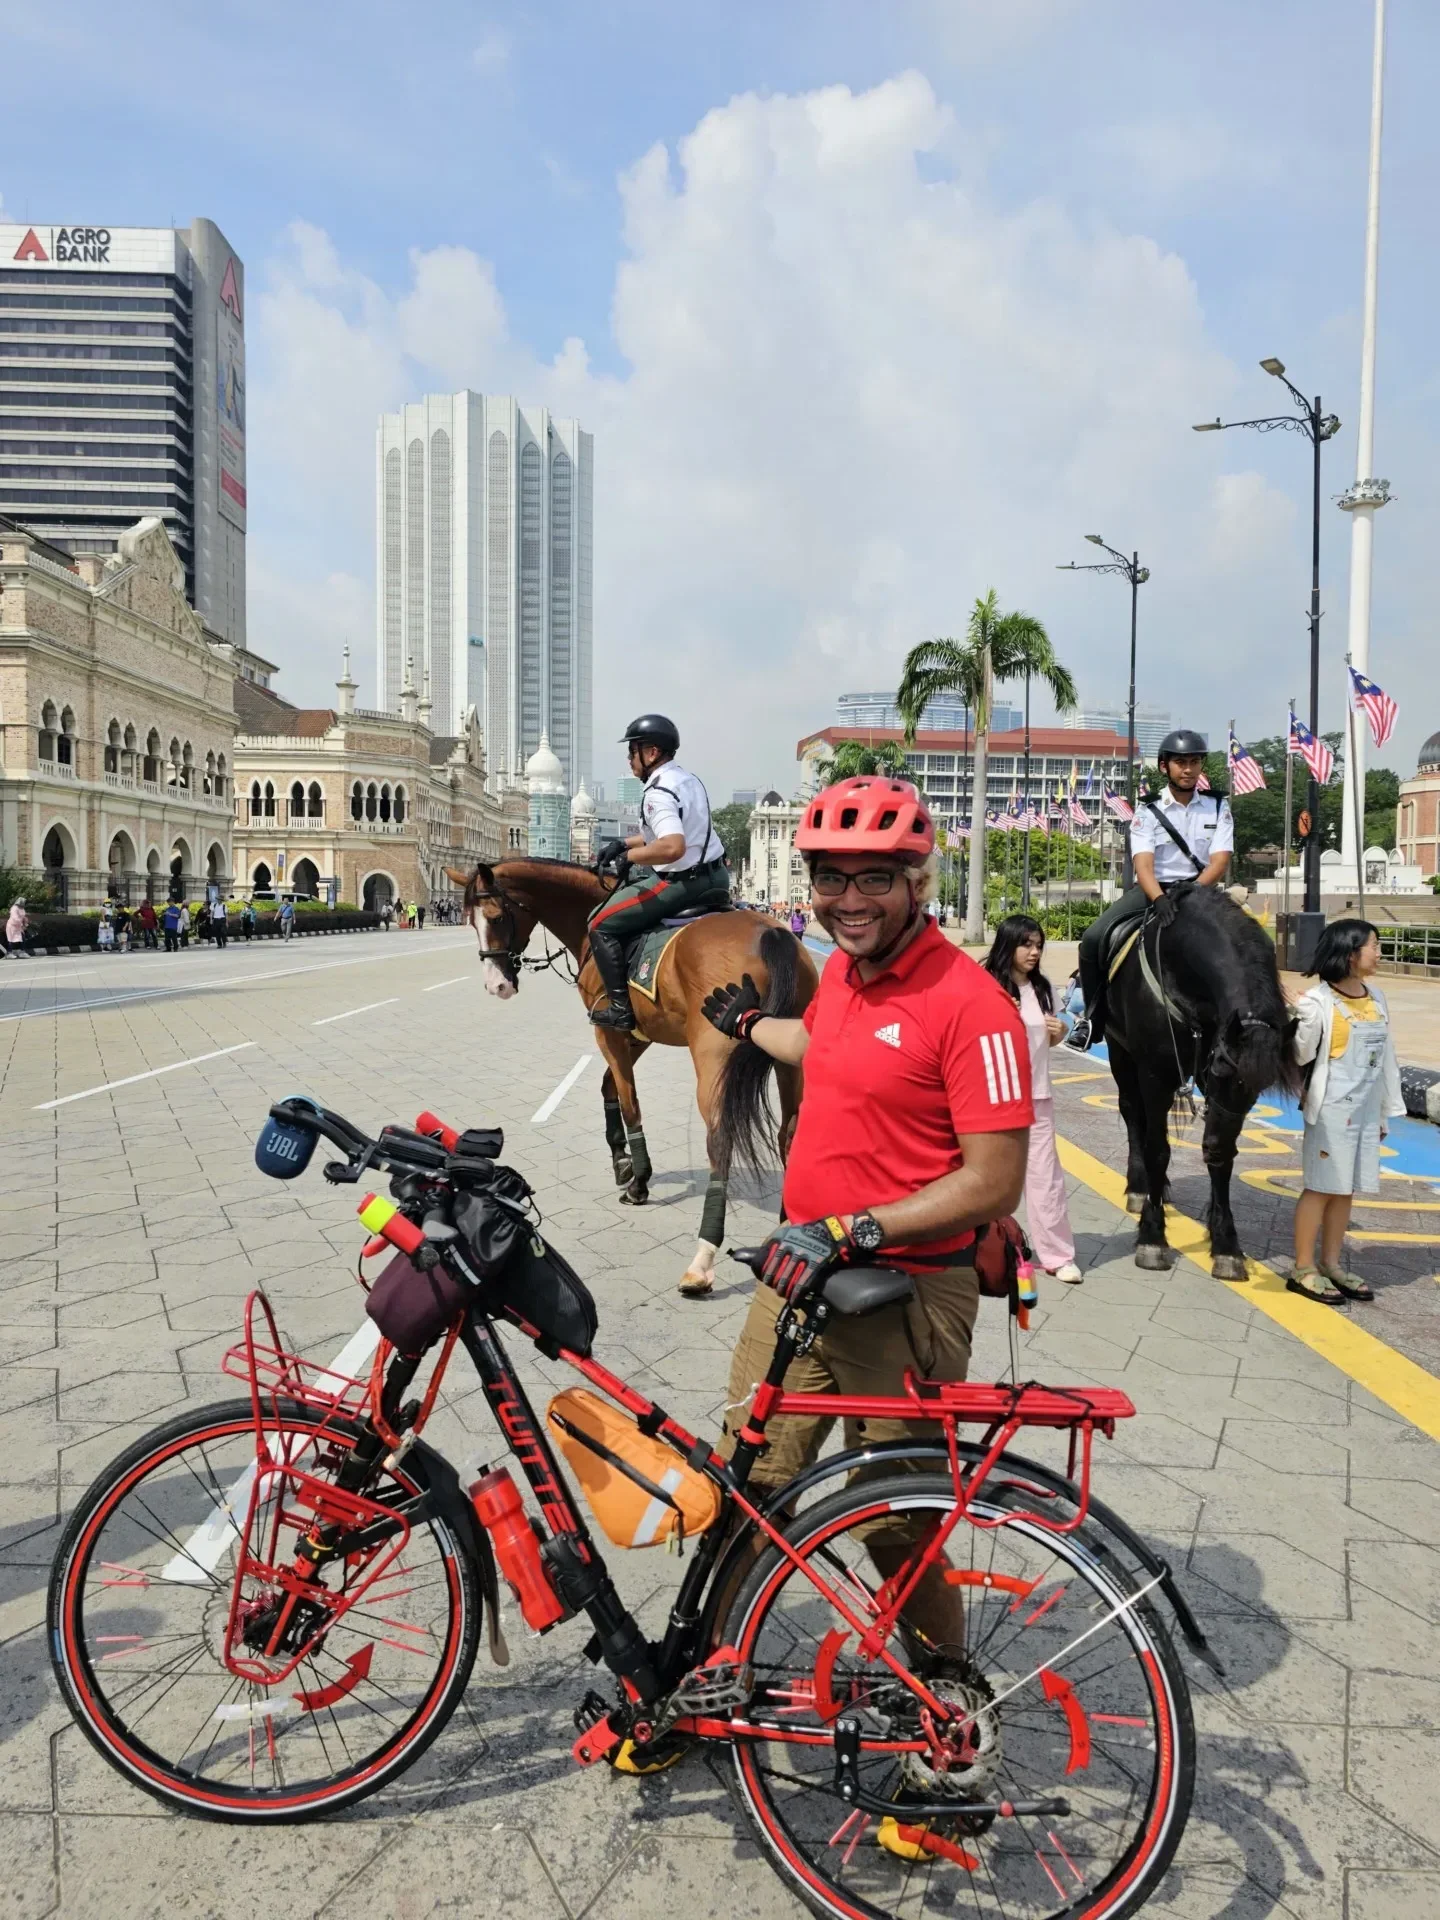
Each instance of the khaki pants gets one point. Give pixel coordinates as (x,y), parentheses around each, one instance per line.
(869,1353)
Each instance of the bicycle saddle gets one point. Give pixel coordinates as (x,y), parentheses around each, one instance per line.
(866,1289)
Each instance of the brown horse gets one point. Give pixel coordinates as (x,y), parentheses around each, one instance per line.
(506,902)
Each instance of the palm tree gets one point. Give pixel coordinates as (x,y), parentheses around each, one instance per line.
(853,757)
(997,646)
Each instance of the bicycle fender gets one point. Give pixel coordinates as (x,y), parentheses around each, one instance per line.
(454,1505)
(934,1452)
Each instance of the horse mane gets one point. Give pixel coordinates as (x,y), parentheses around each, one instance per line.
(1231,960)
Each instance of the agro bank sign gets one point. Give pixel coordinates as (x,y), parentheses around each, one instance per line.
(83,249)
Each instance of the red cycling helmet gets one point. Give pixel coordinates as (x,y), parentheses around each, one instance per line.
(869,813)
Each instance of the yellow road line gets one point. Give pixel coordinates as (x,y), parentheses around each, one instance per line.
(1407,1388)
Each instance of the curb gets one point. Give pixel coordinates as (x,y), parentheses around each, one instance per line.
(307,933)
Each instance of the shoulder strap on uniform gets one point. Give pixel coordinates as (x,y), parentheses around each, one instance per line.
(1152,802)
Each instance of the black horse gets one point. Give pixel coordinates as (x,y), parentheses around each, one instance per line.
(1200,999)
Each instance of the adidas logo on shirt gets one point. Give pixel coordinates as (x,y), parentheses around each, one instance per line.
(1002,1078)
(890,1035)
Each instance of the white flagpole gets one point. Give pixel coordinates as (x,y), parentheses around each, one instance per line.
(1368,493)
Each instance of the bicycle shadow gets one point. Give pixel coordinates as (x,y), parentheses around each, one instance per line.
(1245,1768)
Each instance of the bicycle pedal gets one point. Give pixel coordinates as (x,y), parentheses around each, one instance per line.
(654,1757)
(597,1742)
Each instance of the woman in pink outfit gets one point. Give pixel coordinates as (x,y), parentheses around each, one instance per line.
(1014,959)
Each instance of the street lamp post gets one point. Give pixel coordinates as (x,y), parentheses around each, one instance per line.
(1318,427)
(1137,575)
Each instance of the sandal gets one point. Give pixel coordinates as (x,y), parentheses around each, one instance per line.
(1350,1284)
(1314,1287)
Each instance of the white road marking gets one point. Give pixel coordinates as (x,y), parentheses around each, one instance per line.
(255,977)
(447,983)
(369,1007)
(542,1113)
(131,1078)
(209,1543)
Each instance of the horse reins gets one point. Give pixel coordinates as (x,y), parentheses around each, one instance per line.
(513,957)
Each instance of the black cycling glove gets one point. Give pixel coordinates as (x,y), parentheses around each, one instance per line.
(802,1252)
(1162,911)
(611,851)
(733,1010)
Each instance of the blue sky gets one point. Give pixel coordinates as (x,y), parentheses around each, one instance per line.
(880,305)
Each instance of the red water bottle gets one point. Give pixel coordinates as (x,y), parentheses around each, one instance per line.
(497,1503)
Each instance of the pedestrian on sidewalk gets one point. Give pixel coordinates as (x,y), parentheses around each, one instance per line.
(1344,1040)
(105,932)
(287,919)
(247,920)
(17,929)
(797,922)
(420,918)
(170,926)
(1014,959)
(146,921)
(220,922)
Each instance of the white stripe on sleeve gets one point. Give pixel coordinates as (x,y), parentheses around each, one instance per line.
(989,1068)
(1014,1070)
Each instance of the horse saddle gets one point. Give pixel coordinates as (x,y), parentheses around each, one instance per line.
(643,954)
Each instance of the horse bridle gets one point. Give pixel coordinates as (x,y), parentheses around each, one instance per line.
(1177,1012)
(511,958)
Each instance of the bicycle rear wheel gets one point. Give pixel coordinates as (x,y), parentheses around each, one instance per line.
(1067,1780)
(140,1608)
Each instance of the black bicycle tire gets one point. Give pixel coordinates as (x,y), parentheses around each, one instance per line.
(819,1518)
(232,1416)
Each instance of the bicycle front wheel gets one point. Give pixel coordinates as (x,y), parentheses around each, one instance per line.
(1061,1786)
(144,1603)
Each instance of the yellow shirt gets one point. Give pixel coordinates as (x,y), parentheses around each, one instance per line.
(1362,1010)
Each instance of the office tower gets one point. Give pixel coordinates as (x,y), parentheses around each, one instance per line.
(947,715)
(122,394)
(1152,723)
(483,573)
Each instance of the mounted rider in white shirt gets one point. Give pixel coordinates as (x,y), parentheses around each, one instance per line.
(1179,838)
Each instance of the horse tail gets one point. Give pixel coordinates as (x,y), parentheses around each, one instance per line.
(743,1130)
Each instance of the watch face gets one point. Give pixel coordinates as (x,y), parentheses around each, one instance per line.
(867,1232)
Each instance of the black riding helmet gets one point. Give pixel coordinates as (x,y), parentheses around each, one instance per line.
(652,730)
(1183,740)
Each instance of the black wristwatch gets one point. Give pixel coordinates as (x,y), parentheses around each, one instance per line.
(867,1233)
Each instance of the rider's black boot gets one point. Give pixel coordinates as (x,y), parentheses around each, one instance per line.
(608,954)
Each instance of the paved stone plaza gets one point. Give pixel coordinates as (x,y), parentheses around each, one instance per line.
(1304,1509)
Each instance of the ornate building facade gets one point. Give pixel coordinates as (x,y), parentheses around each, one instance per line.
(1417,818)
(357,806)
(116,720)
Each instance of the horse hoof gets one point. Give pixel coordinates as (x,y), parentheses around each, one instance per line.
(696,1286)
(636,1194)
(1229,1266)
(1134,1202)
(1154,1259)
(624,1172)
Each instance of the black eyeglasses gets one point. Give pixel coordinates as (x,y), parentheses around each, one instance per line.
(829,883)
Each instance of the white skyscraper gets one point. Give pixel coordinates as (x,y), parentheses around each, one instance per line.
(483,572)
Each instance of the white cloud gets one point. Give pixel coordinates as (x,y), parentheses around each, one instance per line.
(491,51)
(855,398)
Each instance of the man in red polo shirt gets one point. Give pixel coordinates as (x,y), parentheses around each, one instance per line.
(913,1127)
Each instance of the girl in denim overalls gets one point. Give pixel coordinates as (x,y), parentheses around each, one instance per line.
(1353,1089)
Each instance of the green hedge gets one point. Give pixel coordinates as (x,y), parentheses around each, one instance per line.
(80,929)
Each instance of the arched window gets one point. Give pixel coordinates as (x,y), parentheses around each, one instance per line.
(269,800)
(187,768)
(65,739)
(371,801)
(357,802)
(399,803)
(172,775)
(112,748)
(208,779)
(221,781)
(152,758)
(297,801)
(385,801)
(256,808)
(131,739)
(260,881)
(49,726)
(317,801)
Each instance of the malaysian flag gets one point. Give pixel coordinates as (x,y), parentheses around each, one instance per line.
(1118,806)
(1377,706)
(1202,785)
(1078,813)
(1246,773)
(1316,755)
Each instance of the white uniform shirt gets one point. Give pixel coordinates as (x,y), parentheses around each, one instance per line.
(1205,826)
(674,801)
